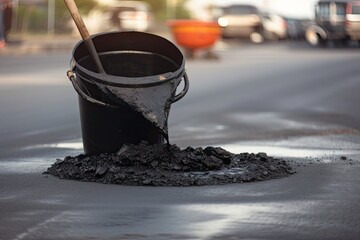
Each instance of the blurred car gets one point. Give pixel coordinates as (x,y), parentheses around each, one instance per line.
(296,28)
(336,20)
(275,26)
(242,21)
(118,15)
(130,15)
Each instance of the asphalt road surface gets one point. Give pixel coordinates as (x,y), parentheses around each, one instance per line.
(285,99)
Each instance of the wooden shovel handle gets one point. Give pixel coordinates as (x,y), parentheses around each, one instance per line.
(74,11)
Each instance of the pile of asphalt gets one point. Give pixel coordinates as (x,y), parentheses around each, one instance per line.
(168,165)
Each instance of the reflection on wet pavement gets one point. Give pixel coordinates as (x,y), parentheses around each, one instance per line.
(191,221)
(169,222)
(25,165)
(75,144)
(288,148)
(240,127)
(273,120)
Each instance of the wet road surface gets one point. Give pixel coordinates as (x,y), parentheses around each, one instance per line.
(290,101)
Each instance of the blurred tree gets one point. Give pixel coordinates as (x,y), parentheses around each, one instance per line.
(32,16)
(62,14)
(160,8)
(85,6)
(181,12)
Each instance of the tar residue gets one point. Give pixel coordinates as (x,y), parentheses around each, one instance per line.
(168,165)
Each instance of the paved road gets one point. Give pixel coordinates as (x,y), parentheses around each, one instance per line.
(284,99)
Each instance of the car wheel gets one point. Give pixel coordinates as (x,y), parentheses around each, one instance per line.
(256,37)
(314,39)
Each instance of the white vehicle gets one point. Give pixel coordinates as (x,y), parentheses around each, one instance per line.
(275,26)
(130,15)
(241,21)
(118,15)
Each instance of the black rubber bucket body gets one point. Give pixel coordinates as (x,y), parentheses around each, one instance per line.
(131,102)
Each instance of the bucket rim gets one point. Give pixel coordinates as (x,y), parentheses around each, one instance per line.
(122,81)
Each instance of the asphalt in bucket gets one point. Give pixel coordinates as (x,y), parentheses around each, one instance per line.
(168,165)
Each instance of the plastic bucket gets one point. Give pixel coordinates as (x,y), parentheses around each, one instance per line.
(131,102)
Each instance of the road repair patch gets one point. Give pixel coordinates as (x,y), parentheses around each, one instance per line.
(168,165)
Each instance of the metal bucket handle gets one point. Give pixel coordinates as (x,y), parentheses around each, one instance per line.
(184,91)
(71,75)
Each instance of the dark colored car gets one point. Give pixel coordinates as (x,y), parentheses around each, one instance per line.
(243,21)
(336,20)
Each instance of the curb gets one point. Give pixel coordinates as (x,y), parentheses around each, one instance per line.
(38,45)
(35,44)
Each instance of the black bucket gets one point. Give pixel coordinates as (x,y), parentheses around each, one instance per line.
(131,102)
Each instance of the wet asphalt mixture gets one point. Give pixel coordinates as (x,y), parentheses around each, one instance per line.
(168,165)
